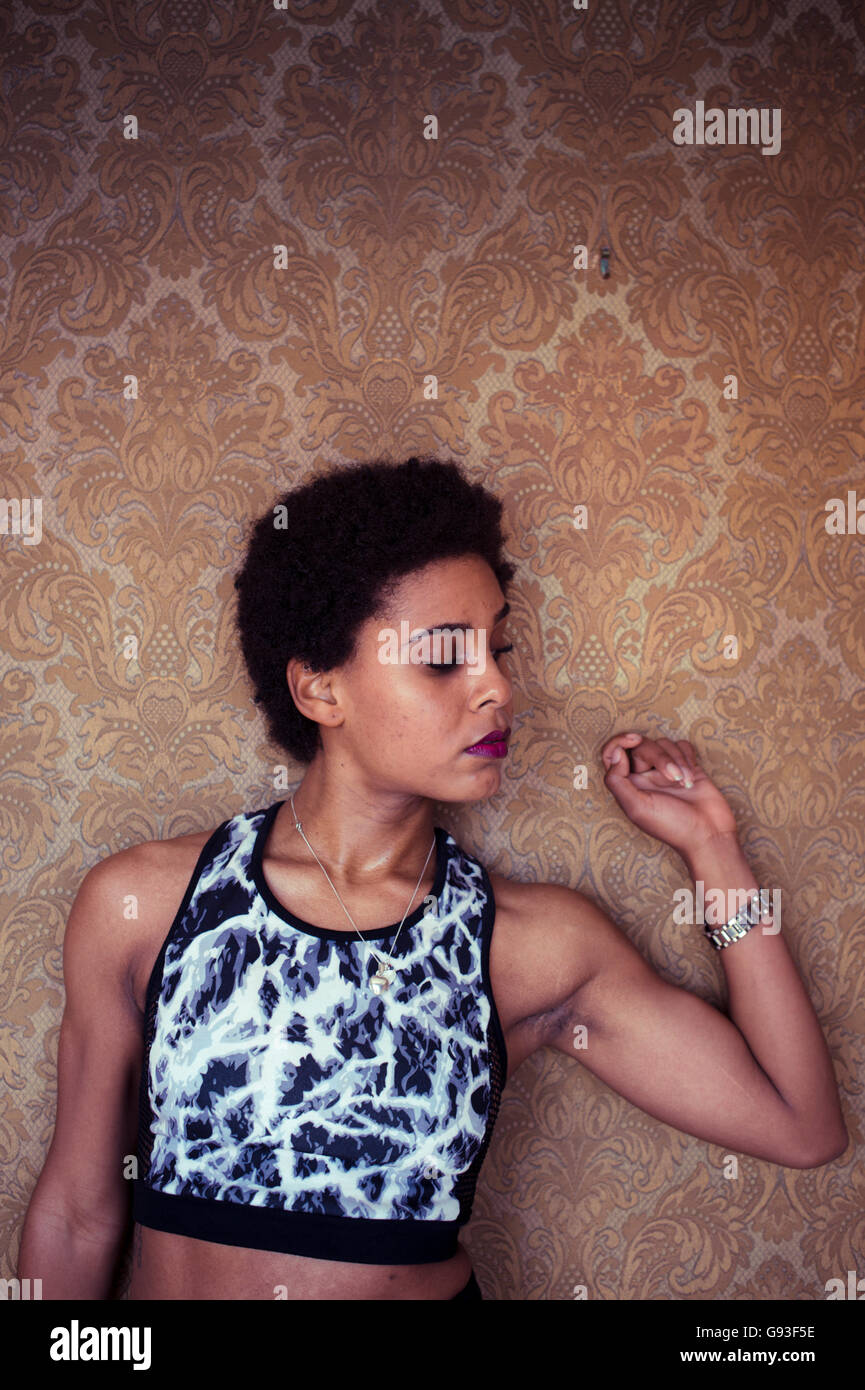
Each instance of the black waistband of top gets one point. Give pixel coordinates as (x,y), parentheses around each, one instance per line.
(356,1240)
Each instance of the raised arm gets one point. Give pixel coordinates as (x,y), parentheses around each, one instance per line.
(757,1079)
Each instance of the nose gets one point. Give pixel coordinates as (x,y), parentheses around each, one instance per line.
(490,682)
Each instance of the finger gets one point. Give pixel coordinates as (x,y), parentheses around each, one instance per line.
(618,767)
(662,755)
(676,765)
(619,783)
(650,755)
(627,741)
(687,760)
(692,756)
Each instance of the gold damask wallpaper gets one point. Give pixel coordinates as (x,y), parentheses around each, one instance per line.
(245,242)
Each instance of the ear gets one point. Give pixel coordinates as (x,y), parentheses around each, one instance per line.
(298,675)
(311,692)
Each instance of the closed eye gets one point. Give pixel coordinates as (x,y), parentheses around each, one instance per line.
(452,665)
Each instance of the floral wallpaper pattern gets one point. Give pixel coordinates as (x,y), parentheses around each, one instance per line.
(241,244)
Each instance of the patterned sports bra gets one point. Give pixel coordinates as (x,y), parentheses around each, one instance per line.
(285,1106)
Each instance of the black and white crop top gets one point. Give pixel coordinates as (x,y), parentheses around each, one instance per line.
(283,1104)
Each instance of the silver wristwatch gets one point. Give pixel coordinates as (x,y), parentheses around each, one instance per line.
(738,926)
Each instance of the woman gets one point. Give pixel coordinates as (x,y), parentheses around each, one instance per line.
(323,998)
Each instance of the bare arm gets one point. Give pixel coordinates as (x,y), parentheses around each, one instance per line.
(759,1081)
(79,1209)
(769,1005)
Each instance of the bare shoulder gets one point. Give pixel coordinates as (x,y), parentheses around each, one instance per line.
(135,895)
(146,873)
(553,942)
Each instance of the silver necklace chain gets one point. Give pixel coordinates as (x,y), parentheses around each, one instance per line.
(380,981)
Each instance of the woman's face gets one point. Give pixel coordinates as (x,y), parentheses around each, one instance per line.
(404,725)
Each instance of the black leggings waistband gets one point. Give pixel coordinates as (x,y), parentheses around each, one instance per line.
(471,1290)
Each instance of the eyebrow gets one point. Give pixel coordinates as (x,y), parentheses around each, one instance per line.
(442,627)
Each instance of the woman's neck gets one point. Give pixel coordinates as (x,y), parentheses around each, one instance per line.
(359,832)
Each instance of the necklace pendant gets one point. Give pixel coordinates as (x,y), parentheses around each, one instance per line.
(380,981)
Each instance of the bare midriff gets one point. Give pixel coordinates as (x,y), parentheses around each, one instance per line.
(166,1266)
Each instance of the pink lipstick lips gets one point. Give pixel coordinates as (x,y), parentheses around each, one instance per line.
(492,745)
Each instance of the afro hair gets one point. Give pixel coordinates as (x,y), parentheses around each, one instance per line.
(320,562)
